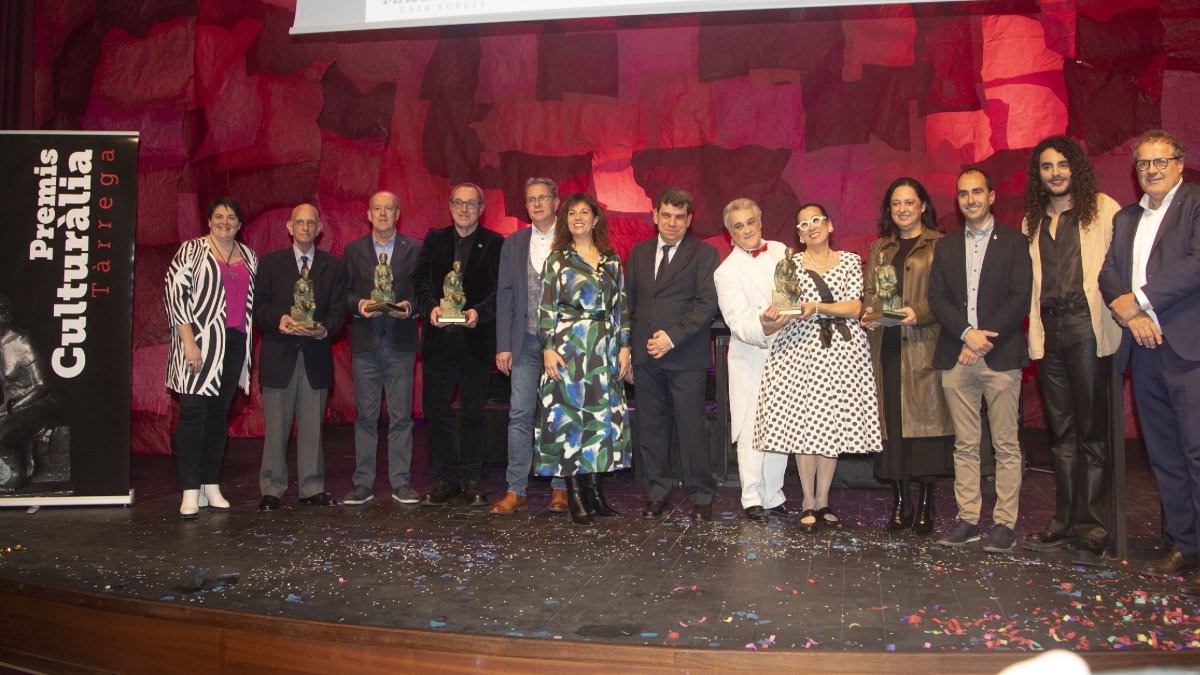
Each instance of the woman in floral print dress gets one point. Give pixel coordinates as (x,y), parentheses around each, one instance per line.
(584,330)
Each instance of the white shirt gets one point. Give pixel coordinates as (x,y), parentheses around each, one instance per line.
(1143,243)
(539,247)
(309,256)
(658,252)
(977,245)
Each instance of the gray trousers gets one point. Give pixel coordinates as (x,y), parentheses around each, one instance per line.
(384,370)
(306,406)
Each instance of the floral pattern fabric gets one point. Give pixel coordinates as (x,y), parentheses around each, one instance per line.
(581,421)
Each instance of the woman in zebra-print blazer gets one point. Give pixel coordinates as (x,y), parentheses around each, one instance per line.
(209,299)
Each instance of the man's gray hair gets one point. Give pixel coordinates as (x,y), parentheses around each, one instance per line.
(542,181)
(739,204)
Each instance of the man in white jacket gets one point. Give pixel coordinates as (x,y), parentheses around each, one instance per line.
(744,284)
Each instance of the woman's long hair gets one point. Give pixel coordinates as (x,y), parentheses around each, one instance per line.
(562,231)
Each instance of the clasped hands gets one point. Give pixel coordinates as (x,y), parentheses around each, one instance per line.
(976,345)
(1129,314)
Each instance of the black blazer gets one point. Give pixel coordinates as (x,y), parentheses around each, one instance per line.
(277,276)
(1005,287)
(480,271)
(361,261)
(1172,272)
(682,303)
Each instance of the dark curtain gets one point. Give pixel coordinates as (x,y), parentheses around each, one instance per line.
(16,64)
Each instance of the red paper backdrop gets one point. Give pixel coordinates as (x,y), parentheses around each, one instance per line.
(824,105)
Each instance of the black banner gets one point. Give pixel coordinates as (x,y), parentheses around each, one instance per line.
(66,299)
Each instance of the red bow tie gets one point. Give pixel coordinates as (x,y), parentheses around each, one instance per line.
(757,251)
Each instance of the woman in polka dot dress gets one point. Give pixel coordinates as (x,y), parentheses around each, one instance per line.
(817,398)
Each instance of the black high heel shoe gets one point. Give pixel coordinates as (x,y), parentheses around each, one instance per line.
(902,516)
(923,524)
(577,502)
(595,497)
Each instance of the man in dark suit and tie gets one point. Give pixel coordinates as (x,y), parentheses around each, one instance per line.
(295,367)
(458,355)
(1151,282)
(979,290)
(672,300)
(383,346)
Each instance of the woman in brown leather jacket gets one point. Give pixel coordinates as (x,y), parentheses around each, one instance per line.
(918,434)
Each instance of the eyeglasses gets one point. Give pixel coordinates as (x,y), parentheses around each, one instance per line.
(1160,163)
(815,221)
(538,198)
(464,204)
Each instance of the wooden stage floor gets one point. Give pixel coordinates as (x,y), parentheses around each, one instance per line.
(534,588)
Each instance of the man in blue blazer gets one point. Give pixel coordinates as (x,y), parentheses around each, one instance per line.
(383,346)
(1151,282)
(458,355)
(295,367)
(518,349)
(979,290)
(672,300)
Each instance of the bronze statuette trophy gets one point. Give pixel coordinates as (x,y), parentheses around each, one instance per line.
(886,301)
(453,298)
(786,297)
(303,304)
(382,296)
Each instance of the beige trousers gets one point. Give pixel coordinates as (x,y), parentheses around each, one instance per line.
(965,387)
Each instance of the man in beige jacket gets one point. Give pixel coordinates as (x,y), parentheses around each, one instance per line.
(1071,335)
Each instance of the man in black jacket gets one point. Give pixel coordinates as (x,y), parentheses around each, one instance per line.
(458,355)
(979,290)
(295,367)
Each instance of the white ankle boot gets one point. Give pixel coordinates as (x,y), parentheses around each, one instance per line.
(210,496)
(189,509)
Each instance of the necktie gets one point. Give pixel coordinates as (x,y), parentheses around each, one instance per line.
(303,263)
(756,252)
(666,257)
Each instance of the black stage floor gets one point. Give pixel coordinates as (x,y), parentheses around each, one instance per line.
(726,585)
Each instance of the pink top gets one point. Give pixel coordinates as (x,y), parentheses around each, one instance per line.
(237,286)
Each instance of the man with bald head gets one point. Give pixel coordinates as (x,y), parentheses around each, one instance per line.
(383,350)
(296,361)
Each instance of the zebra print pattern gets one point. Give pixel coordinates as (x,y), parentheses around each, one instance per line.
(194,295)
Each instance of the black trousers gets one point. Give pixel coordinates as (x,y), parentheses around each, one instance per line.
(664,396)
(456,459)
(204,421)
(1074,389)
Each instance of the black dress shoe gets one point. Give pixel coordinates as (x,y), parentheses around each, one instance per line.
(268,503)
(1173,564)
(319,499)
(1090,553)
(1190,588)
(654,509)
(440,495)
(702,512)
(475,494)
(1047,541)
(756,513)
(781,511)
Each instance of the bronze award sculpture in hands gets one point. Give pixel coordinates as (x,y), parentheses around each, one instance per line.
(453,298)
(382,296)
(303,303)
(786,297)
(887,314)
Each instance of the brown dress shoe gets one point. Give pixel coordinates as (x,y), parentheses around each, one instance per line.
(1191,587)
(558,500)
(1173,564)
(512,502)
